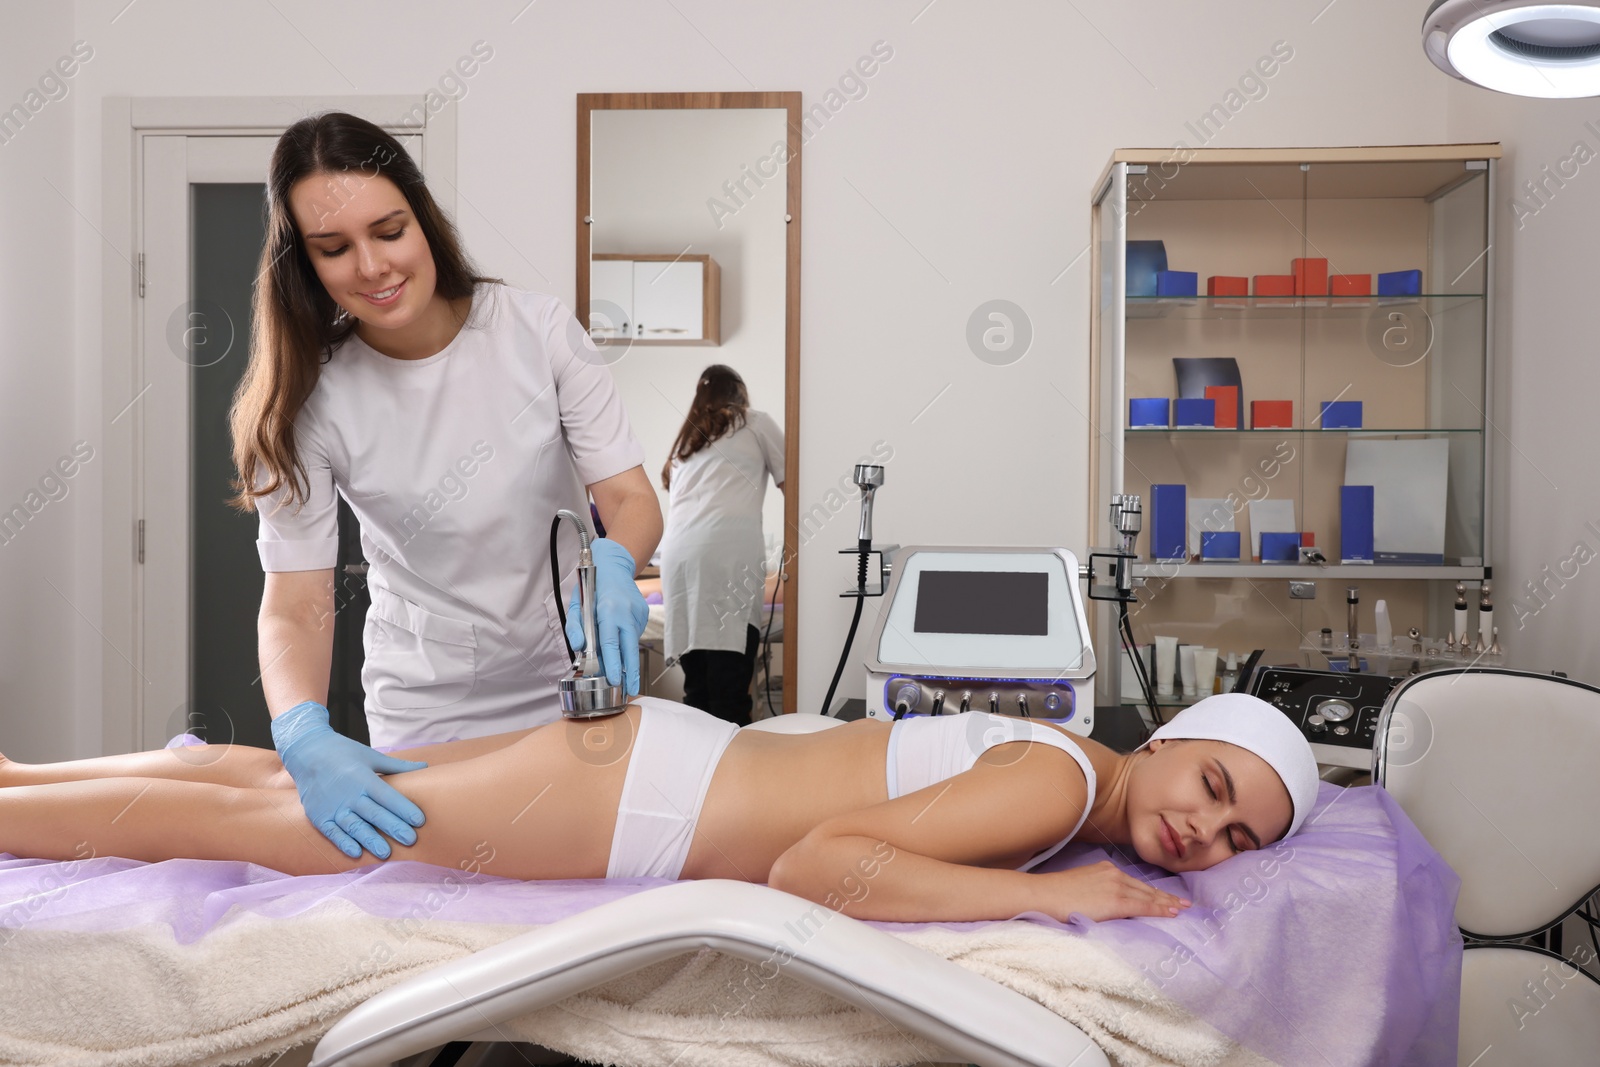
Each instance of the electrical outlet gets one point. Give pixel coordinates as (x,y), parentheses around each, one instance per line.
(1302,590)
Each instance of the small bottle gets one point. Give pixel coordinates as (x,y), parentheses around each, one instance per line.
(1485,617)
(1230,673)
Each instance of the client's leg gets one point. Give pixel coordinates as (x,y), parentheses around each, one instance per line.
(543,807)
(235,765)
(154,819)
(242,766)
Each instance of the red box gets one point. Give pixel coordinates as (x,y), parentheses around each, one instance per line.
(1274,285)
(1350,285)
(1308,539)
(1310,277)
(1223,288)
(1227,405)
(1271,414)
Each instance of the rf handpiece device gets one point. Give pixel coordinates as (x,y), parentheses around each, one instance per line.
(585,693)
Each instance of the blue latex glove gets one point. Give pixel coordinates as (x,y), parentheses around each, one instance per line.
(619,618)
(337,778)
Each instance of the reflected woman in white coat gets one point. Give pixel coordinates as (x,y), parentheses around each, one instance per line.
(456,415)
(713,555)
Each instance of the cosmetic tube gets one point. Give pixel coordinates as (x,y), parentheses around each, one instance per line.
(1385,628)
(1166,662)
(1205,670)
(1186,668)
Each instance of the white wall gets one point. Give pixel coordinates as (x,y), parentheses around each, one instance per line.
(48,597)
(1546,531)
(652,174)
(958,173)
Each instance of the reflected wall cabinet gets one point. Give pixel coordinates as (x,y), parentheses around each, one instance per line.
(655,299)
(1274,283)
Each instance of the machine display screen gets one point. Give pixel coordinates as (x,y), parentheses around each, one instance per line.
(1013,603)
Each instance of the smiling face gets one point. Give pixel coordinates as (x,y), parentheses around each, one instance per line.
(1192,804)
(363,242)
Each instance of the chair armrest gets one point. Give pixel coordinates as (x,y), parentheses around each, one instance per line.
(970,1016)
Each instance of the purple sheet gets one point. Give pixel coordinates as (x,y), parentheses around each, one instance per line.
(1338,946)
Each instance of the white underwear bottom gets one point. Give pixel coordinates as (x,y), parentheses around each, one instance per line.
(669,771)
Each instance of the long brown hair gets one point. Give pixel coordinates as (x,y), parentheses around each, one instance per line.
(293,329)
(720,405)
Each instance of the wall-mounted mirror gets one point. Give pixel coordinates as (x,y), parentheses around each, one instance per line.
(689,259)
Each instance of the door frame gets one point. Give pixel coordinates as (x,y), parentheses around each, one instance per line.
(125,123)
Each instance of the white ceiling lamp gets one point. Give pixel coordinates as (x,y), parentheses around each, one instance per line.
(1523,47)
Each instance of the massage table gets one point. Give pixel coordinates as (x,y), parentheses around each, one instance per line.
(468,1000)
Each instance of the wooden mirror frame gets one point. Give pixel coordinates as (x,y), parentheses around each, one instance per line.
(789,571)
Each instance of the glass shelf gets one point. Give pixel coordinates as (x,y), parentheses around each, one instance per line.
(1278,307)
(1308,572)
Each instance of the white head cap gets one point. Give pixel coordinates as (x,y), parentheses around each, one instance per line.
(1253,724)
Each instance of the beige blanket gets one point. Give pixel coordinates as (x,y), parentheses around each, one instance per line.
(254,987)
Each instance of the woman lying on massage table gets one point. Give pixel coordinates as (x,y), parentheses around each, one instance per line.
(943,815)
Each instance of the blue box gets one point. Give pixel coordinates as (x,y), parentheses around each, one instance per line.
(1280,547)
(1177,283)
(1219,544)
(1400,283)
(1340,415)
(1355,523)
(1149,411)
(1145,258)
(1169,522)
(1195,411)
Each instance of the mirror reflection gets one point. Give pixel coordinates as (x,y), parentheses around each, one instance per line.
(687,299)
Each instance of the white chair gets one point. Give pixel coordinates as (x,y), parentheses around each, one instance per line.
(1497,769)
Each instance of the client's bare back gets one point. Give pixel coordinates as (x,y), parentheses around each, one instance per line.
(544,806)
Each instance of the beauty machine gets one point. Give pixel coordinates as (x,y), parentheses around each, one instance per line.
(983,629)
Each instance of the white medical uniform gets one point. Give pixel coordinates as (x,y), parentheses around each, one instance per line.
(455,465)
(712,552)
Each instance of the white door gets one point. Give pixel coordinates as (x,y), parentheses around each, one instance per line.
(668,301)
(182,337)
(610,299)
(177,335)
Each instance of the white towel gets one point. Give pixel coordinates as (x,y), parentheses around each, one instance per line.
(255,986)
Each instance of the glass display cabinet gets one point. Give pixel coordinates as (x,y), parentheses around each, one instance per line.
(1275,282)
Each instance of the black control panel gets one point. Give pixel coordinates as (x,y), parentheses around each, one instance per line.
(1330,707)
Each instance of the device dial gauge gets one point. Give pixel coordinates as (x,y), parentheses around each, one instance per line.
(1335,710)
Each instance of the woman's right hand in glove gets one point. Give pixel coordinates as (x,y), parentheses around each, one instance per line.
(338,782)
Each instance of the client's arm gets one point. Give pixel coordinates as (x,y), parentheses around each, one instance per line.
(925,856)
